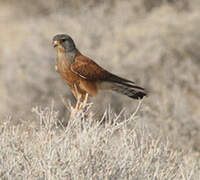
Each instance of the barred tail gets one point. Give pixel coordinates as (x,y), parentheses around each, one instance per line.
(127,87)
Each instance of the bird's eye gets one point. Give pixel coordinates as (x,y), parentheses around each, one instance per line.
(63,40)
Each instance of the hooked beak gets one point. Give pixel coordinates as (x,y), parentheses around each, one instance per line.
(56,43)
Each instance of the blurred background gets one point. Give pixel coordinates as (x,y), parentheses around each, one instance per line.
(155,43)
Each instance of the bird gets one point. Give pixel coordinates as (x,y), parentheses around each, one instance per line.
(85,77)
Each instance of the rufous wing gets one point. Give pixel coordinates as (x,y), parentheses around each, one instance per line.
(88,69)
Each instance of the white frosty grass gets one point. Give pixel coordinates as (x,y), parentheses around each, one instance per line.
(120,148)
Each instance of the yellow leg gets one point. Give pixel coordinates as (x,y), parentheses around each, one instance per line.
(77,105)
(78,98)
(86,99)
(81,103)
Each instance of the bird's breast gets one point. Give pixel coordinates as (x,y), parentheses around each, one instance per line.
(66,73)
(72,79)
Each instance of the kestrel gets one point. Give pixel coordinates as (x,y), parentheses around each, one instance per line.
(84,76)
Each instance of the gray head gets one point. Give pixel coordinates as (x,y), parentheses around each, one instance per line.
(64,41)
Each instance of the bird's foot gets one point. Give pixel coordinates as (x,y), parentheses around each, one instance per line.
(81,107)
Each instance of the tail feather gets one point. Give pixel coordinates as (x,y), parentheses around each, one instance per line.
(127,88)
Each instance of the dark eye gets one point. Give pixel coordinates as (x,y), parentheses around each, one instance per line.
(62,40)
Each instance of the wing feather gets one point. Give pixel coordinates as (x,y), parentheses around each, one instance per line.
(88,69)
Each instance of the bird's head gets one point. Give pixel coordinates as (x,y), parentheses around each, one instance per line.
(65,42)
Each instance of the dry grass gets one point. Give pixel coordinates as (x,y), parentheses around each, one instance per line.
(153,42)
(86,149)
